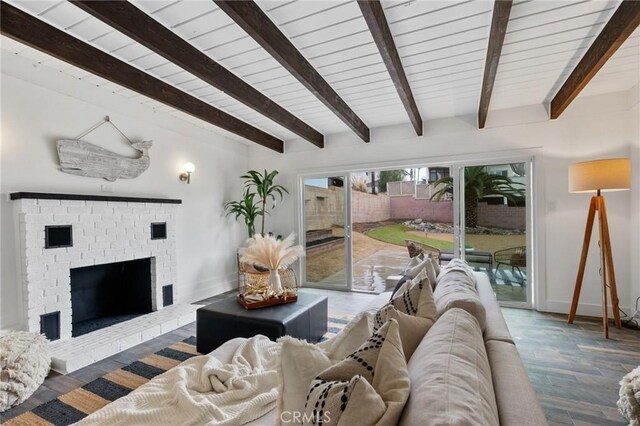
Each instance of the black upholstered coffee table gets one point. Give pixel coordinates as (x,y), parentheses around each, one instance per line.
(226,319)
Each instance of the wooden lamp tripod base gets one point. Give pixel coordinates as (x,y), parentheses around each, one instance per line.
(606,264)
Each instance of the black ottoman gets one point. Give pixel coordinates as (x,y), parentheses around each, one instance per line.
(226,319)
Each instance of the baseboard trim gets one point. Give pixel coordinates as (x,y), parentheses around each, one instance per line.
(584,309)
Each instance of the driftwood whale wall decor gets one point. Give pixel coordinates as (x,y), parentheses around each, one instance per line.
(82,158)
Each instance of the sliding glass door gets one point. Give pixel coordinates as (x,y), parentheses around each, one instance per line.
(360,227)
(326,232)
(494,226)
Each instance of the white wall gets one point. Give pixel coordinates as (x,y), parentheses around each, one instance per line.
(634,208)
(596,127)
(35,116)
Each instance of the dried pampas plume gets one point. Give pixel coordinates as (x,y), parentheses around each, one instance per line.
(271,253)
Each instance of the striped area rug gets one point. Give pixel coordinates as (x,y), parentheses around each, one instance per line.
(80,402)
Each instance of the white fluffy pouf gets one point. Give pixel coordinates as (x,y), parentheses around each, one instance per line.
(629,402)
(24,363)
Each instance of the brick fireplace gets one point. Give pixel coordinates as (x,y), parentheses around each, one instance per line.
(62,235)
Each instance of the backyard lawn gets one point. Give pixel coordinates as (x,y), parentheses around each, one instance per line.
(397,234)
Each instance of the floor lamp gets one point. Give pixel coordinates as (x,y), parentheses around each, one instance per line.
(597,176)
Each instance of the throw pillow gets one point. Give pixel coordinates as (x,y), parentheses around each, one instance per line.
(354,334)
(413,262)
(370,386)
(431,272)
(415,270)
(301,362)
(412,328)
(414,250)
(436,265)
(399,285)
(327,402)
(416,298)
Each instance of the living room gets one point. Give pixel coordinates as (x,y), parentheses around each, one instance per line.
(128,127)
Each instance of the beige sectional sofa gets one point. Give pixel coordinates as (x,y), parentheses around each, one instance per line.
(460,374)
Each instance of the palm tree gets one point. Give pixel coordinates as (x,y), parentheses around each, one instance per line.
(477,185)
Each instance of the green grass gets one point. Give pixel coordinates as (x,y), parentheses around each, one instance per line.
(397,234)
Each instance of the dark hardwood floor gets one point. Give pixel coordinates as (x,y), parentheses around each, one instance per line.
(574,370)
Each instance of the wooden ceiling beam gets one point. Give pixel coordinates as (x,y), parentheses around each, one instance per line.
(379,28)
(501,11)
(33,32)
(623,22)
(142,28)
(257,24)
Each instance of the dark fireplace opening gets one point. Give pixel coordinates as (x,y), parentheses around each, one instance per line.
(104,295)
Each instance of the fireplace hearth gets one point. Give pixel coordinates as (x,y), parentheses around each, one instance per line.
(98,272)
(79,255)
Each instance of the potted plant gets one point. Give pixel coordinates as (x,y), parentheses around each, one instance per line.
(247,208)
(273,254)
(264,187)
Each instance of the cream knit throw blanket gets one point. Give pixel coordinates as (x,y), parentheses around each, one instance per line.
(629,402)
(203,391)
(24,363)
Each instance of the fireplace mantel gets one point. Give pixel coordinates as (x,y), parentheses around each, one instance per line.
(87,197)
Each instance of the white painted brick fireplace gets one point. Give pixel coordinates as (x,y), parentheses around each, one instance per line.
(103,231)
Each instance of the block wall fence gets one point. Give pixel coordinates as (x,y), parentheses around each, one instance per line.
(325,208)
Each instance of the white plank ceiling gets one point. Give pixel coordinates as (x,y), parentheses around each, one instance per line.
(442,45)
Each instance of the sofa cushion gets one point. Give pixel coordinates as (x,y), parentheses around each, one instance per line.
(379,362)
(511,383)
(456,289)
(451,380)
(495,326)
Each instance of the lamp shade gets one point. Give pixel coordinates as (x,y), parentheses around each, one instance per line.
(613,174)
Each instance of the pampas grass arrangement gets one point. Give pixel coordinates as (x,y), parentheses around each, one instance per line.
(271,253)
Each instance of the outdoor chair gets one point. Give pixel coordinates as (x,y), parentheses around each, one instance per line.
(515,257)
(415,249)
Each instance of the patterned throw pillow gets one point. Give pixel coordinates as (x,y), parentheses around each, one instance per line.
(350,392)
(414,250)
(413,298)
(412,328)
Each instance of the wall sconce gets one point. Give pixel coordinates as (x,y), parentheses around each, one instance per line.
(188,168)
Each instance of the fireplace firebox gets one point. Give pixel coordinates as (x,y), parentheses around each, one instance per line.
(104,295)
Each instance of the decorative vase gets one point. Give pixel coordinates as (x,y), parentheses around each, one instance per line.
(274,281)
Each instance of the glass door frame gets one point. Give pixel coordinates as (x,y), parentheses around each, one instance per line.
(460,226)
(302,235)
